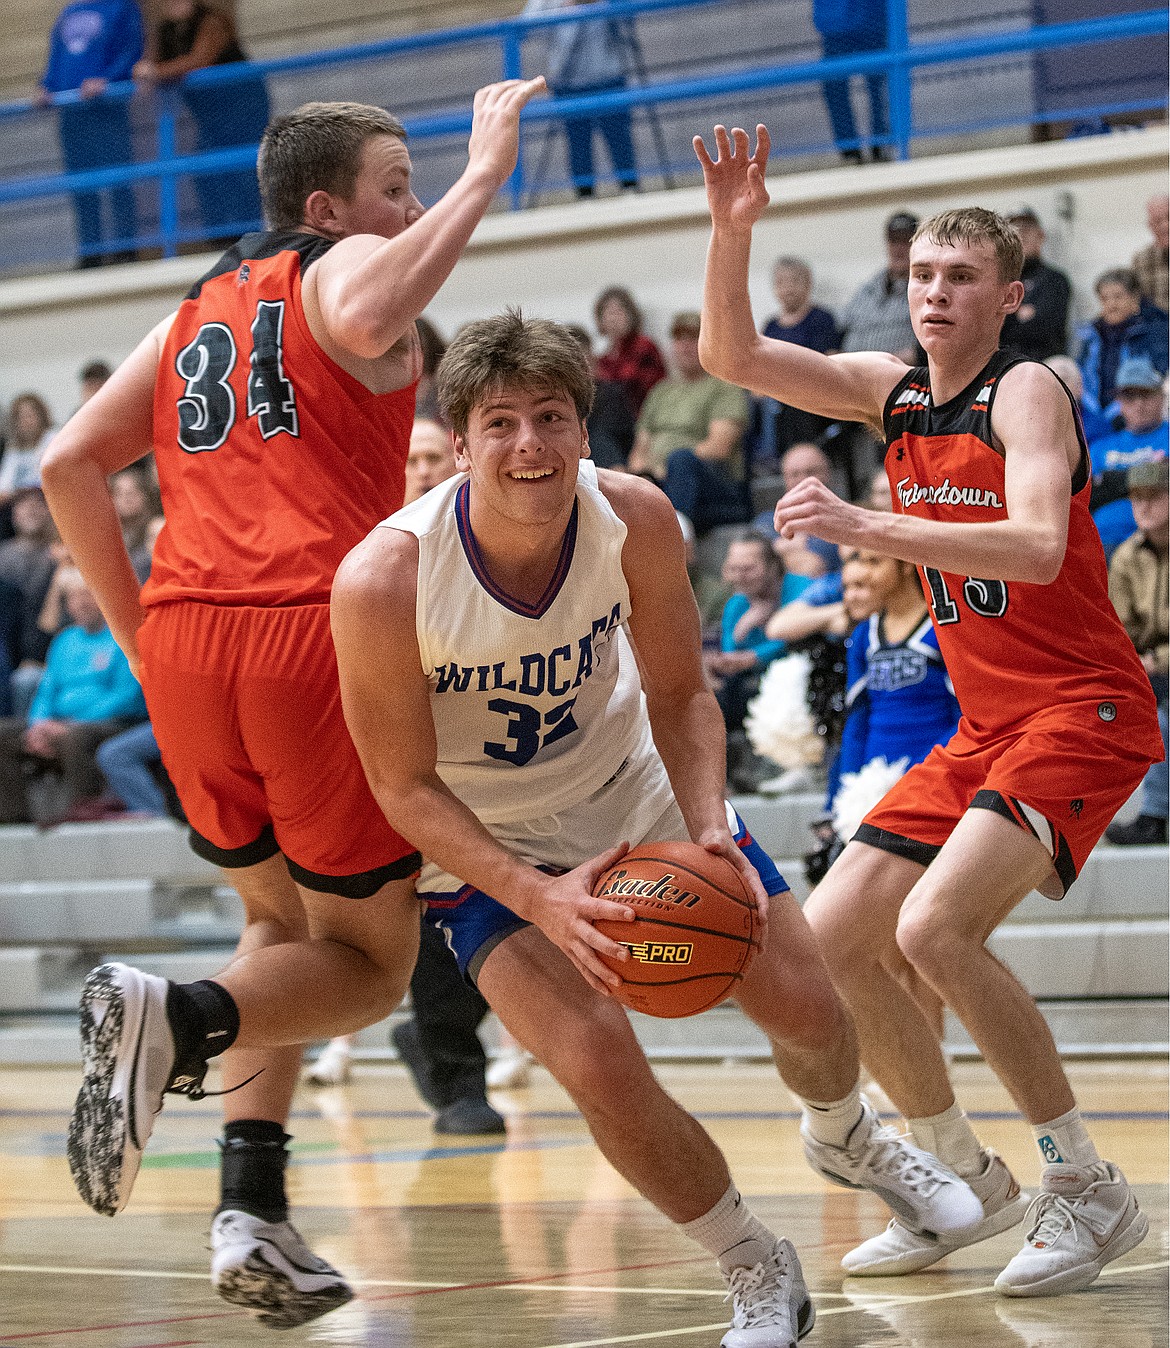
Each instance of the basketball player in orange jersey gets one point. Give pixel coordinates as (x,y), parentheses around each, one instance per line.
(521,670)
(278,401)
(990,479)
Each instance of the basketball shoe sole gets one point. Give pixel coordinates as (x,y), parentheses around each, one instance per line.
(267,1268)
(128,1056)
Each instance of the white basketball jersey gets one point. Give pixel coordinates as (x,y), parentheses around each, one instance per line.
(536,706)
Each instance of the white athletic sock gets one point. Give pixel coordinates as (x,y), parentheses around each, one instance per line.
(949,1137)
(732,1233)
(831,1121)
(1065,1140)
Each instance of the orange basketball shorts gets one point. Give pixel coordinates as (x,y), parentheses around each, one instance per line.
(246,707)
(1061,777)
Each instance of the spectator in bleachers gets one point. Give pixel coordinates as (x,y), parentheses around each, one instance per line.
(689,436)
(1128,325)
(879,496)
(1152,263)
(801,556)
(848,27)
(1144,437)
(877,317)
(591,57)
(1039,327)
(777,426)
(136,501)
(129,763)
(1138,588)
(86,695)
(1069,373)
(92,376)
(430,458)
(426,403)
(95,43)
(11,624)
(28,563)
(631,359)
(190,35)
(610,422)
(26,436)
(752,571)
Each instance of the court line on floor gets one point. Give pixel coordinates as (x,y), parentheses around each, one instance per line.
(874,1301)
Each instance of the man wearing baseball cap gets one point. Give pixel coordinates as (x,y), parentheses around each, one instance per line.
(1144,438)
(877,318)
(1138,588)
(1039,327)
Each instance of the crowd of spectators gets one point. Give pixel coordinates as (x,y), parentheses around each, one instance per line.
(75,742)
(723,457)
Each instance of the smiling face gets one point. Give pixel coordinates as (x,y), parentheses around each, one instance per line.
(382,201)
(522,447)
(958,299)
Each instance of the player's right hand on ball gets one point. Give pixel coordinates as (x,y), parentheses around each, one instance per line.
(567,911)
(495,125)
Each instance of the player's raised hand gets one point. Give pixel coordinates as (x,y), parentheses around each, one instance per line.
(567,911)
(736,194)
(495,126)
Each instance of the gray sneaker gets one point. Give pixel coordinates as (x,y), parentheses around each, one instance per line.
(920,1190)
(771,1307)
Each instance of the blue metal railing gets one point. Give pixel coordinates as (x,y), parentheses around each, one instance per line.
(898,63)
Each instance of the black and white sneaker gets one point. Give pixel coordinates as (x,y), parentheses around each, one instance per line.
(923,1193)
(771,1307)
(128,1063)
(267,1268)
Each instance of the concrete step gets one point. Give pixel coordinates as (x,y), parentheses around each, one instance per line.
(30,976)
(76,912)
(1086,959)
(154,849)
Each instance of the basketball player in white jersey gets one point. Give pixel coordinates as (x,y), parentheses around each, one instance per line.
(486,638)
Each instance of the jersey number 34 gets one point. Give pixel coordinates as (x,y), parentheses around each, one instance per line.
(207,410)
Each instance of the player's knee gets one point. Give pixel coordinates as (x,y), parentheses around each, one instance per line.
(925,939)
(596,1057)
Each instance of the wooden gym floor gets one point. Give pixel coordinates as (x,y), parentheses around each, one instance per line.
(534,1242)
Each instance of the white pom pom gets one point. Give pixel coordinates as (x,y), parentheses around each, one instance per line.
(860,791)
(778,723)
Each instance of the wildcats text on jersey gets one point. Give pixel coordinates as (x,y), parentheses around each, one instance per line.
(911,493)
(554,672)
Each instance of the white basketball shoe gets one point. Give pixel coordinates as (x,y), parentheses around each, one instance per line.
(771,1307)
(1083,1218)
(267,1268)
(900,1250)
(923,1192)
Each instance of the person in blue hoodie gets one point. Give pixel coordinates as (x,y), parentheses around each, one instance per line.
(1128,326)
(95,43)
(86,695)
(1143,439)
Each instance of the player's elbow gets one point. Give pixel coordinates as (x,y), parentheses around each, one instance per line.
(1045,558)
(717,358)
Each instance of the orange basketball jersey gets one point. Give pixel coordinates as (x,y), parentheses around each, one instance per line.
(1014,651)
(272,460)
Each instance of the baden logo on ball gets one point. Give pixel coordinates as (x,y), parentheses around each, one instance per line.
(695,932)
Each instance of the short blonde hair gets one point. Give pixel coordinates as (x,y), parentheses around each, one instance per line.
(974,224)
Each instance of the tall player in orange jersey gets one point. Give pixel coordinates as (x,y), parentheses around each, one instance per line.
(278,401)
(989,473)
